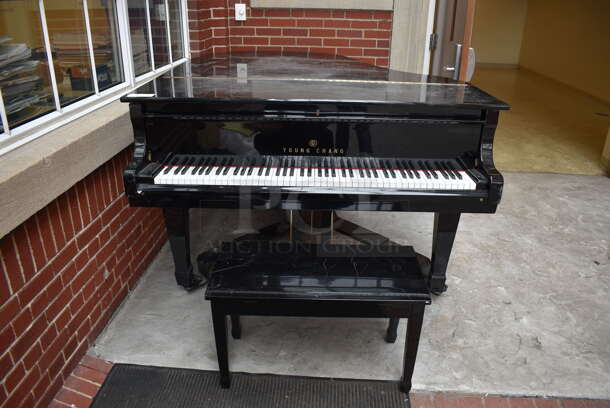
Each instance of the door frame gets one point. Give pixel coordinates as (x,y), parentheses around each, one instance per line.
(413,24)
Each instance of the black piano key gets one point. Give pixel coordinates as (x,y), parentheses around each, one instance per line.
(447,171)
(325,164)
(189,163)
(197,166)
(383,168)
(423,169)
(331,163)
(238,167)
(401,168)
(436,165)
(268,164)
(279,167)
(180,164)
(413,169)
(342,164)
(212,163)
(285,167)
(251,165)
(170,166)
(366,165)
(350,167)
(373,166)
(309,166)
(176,167)
(292,166)
(384,172)
(221,168)
(360,168)
(390,167)
(245,166)
(452,167)
(203,166)
(430,169)
(228,166)
(436,169)
(186,165)
(261,163)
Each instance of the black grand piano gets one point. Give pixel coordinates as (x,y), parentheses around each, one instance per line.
(312,133)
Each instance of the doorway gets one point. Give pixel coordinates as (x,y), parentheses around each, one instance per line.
(549,62)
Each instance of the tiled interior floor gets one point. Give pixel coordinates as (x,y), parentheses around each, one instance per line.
(550,127)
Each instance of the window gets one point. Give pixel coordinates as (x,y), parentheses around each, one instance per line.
(62,58)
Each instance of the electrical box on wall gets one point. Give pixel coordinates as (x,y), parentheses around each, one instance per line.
(240,12)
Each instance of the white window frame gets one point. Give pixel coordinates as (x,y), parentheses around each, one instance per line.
(13,138)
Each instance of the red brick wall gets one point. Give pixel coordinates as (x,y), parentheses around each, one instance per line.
(360,34)
(62,274)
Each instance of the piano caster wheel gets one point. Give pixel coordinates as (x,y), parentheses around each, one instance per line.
(406,388)
(390,337)
(438,293)
(195,284)
(235,327)
(236,333)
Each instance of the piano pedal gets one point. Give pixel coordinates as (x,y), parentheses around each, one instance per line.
(205,263)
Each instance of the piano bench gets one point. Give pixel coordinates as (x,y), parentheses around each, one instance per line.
(320,287)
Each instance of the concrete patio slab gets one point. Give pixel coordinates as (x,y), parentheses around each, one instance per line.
(527,311)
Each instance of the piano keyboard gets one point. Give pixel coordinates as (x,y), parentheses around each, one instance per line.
(315,171)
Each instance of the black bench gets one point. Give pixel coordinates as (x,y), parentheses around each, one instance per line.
(284,279)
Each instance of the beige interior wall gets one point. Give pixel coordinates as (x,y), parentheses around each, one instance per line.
(569,41)
(606,154)
(16,20)
(498,30)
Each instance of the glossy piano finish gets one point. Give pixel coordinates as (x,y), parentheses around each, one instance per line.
(319,106)
(266,270)
(315,106)
(254,82)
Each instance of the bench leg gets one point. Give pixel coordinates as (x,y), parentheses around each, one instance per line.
(413,331)
(220,335)
(235,327)
(391,334)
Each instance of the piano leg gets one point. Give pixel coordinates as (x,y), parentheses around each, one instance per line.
(177,224)
(445,227)
(414,324)
(391,334)
(235,326)
(219,320)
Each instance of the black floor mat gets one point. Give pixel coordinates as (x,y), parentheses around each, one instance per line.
(133,386)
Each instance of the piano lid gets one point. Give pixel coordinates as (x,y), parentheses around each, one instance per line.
(313,78)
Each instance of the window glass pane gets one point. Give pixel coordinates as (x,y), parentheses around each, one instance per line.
(24,73)
(105,38)
(66,23)
(147,88)
(175,28)
(139,36)
(159,32)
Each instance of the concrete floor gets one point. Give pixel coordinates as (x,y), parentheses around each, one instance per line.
(550,127)
(527,311)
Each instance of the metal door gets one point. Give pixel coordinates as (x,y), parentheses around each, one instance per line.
(451,54)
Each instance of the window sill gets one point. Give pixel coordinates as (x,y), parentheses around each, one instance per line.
(36,173)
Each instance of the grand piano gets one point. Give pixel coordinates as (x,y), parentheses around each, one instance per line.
(311,133)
